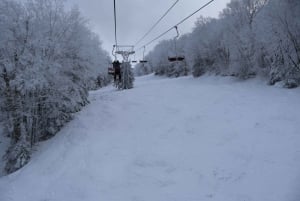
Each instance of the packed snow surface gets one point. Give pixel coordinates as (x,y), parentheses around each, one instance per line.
(184,139)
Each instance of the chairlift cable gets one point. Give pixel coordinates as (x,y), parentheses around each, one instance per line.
(205,5)
(115,18)
(183,20)
(149,31)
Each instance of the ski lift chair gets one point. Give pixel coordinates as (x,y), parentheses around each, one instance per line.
(176,58)
(172,59)
(143,61)
(180,58)
(111,71)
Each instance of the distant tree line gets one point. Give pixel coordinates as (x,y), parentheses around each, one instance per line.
(250,38)
(49,60)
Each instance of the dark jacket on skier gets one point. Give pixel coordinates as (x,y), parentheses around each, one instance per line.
(117,69)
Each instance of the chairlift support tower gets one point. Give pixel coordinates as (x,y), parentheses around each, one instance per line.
(124,50)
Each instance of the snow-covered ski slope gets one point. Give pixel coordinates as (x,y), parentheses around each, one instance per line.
(185,139)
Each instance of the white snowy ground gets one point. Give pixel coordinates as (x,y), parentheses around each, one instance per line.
(185,139)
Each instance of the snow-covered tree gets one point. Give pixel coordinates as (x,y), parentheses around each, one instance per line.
(143,68)
(250,38)
(158,58)
(282,44)
(49,59)
(127,76)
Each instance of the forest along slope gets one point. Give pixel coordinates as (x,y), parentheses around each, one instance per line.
(188,139)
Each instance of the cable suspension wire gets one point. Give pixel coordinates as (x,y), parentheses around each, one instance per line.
(176,25)
(115,17)
(149,31)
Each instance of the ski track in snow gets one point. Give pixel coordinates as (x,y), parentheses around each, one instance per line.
(184,139)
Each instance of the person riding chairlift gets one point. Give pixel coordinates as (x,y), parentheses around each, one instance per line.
(117,70)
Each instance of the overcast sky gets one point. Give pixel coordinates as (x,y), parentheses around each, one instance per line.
(135,17)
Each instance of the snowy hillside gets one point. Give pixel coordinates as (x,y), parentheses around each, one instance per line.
(185,139)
